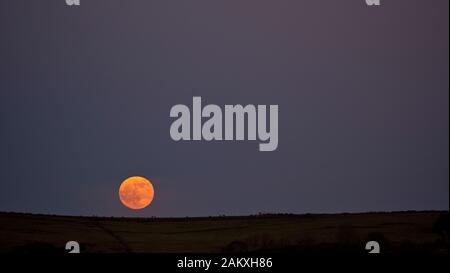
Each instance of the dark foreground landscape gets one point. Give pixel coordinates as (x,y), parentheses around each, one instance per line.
(396,232)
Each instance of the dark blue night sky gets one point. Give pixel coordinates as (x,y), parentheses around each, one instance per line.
(363,95)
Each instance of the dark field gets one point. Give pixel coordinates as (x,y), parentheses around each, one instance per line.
(397,232)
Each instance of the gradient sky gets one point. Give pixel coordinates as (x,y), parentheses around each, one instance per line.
(85,95)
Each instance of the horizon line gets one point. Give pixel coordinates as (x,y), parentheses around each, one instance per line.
(281,214)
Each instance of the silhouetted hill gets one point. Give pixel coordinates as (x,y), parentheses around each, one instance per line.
(397,232)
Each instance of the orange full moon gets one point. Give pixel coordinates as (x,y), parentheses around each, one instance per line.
(136,192)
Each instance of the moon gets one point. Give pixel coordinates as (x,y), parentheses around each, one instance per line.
(136,192)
